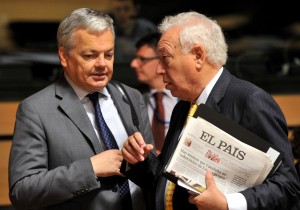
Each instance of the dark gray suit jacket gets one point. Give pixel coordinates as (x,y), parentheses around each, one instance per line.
(50,165)
(254,109)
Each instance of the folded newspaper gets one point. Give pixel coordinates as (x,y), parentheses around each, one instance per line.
(235,165)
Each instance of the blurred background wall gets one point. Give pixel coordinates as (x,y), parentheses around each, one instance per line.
(39,11)
(263,38)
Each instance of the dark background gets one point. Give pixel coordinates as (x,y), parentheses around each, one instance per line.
(263,39)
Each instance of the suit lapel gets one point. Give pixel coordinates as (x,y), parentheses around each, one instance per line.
(218,91)
(123,108)
(181,110)
(73,108)
(177,122)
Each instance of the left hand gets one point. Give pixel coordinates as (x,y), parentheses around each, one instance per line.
(107,163)
(211,198)
(135,149)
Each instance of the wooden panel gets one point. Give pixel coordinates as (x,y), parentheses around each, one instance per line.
(46,9)
(7,117)
(7,121)
(4,155)
(290,105)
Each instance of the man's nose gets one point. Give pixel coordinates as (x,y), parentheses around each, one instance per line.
(160,69)
(100,61)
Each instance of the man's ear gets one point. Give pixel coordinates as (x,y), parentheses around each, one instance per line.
(199,55)
(62,56)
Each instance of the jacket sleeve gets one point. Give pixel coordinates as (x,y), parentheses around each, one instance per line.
(263,116)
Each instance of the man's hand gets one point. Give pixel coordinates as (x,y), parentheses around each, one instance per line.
(135,149)
(107,163)
(211,198)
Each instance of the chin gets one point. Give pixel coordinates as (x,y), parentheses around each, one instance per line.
(173,92)
(100,84)
(168,86)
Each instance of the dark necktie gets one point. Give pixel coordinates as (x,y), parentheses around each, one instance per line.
(110,143)
(158,121)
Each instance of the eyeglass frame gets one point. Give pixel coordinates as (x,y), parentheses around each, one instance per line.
(143,60)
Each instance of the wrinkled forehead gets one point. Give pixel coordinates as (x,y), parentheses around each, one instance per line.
(169,41)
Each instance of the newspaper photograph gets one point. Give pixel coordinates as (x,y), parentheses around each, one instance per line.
(234,164)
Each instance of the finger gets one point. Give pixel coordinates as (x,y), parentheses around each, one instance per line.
(129,157)
(133,148)
(137,143)
(209,179)
(115,154)
(119,156)
(147,149)
(139,138)
(128,145)
(192,199)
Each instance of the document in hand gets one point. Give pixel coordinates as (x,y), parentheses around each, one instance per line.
(238,158)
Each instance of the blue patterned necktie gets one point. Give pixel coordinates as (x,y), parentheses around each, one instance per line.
(110,143)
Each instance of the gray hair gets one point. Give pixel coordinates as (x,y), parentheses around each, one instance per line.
(83,18)
(196,28)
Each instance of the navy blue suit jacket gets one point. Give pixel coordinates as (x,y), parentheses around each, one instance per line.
(254,109)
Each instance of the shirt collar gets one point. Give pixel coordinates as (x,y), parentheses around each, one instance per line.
(82,93)
(205,93)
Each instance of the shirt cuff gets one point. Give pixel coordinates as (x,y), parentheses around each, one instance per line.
(236,201)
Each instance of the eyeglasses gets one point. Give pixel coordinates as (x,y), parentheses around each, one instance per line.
(142,59)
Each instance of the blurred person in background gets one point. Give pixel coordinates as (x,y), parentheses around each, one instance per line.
(159,100)
(129,27)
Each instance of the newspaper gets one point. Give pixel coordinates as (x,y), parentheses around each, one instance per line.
(234,164)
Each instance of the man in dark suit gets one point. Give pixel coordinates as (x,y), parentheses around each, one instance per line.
(58,158)
(193,53)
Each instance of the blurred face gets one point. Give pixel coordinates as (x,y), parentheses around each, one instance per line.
(90,62)
(178,69)
(123,12)
(145,64)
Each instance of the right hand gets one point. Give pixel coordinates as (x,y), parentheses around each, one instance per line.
(107,163)
(135,149)
(212,198)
